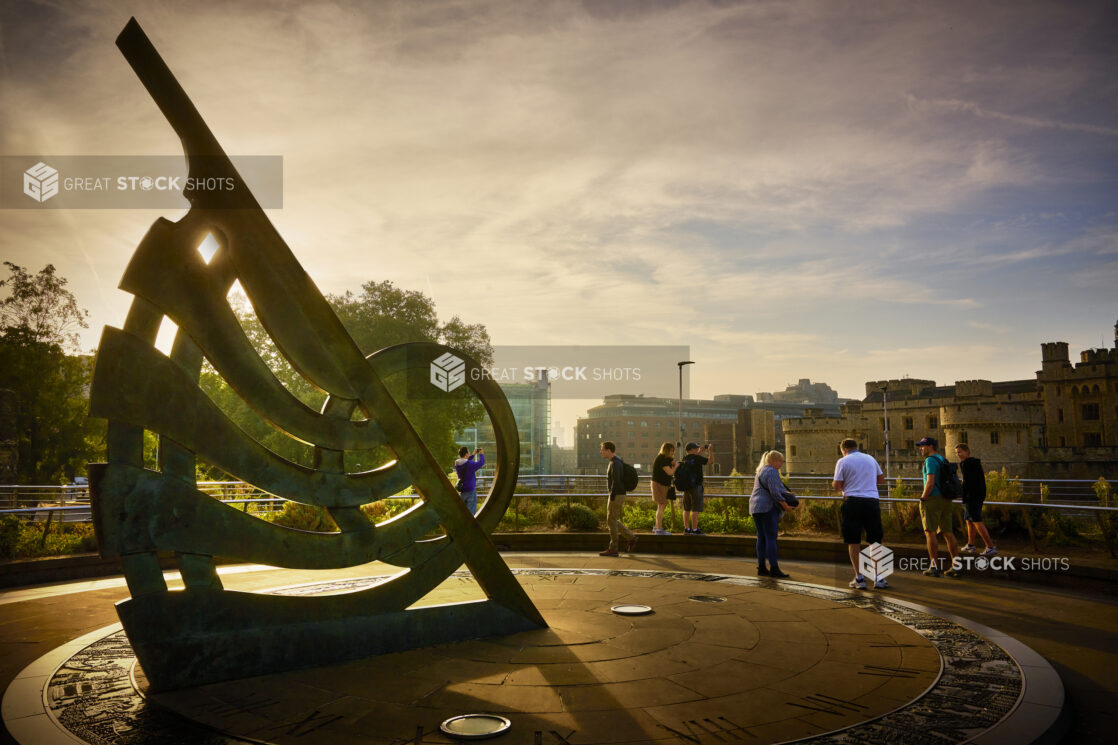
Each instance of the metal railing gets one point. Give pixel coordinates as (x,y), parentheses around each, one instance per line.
(71,503)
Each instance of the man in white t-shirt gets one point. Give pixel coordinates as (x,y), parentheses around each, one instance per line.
(857,476)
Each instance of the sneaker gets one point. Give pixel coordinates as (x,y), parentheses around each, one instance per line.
(696,531)
(687,531)
(762,572)
(880,584)
(932,572)
(969,549)
(608,552)
(953,573)
(660,531)
(777,574)
(630,544)
(991,551)
(858,583)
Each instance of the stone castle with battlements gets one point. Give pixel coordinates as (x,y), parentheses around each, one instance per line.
(1062,424)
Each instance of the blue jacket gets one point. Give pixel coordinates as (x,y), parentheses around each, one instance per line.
(768,489)
(467,469)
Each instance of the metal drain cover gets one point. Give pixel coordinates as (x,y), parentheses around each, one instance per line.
(475,726)
(632,609)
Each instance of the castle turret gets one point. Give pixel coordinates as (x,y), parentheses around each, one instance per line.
(1054,356)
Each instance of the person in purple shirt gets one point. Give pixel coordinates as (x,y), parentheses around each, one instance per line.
(467,468)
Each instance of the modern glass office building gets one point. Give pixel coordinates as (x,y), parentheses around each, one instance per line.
(531,406)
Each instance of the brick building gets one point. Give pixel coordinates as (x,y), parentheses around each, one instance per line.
(739,428)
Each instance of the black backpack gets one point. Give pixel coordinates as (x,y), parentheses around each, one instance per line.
(629,477)
(948,480)
(683,478)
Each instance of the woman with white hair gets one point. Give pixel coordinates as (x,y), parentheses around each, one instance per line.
(770,498)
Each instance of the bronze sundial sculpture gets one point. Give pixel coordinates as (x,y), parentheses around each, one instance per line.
(205,633)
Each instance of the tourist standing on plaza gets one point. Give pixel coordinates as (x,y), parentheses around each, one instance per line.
(467,468)
(769,500)
(663,468)
(615,481)
(974,494)
(692,466)
(857,476)
(935,509)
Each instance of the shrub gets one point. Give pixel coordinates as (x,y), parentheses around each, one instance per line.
(11,528)
(574,517)
(20,540)
(383,509)
(305,517)
(819,515)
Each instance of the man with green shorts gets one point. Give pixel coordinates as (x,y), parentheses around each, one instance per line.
(935,510)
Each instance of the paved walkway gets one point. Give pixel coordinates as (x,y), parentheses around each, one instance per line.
(1078,633)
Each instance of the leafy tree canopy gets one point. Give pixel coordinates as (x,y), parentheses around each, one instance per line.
(379,316)
(41,305)
(39,319)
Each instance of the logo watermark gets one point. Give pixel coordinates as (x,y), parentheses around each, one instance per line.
(137,182)
(566,372)
(875,561)
(40,182)
(448,372)
(989,564)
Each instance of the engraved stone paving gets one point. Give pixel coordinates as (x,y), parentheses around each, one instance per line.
(773,662)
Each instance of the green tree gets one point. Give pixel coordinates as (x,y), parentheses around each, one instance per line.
(39,319)
(41,306)
(379,316)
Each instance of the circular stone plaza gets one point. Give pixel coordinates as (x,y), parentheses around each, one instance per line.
(720,656)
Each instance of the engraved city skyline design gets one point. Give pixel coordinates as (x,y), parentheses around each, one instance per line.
(207,633)
(92,696)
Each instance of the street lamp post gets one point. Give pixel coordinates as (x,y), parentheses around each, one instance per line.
(679,412)
(885,414)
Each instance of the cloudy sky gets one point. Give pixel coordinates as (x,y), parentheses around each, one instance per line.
(841,191)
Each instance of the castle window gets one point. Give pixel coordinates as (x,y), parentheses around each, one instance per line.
(1090,411)
(995,438)
(1018,438)
(909,444)
(908,422)
(644,424)
(1092,439)
(793,450)
(1063,442)
(963,436)
(933,422)
(1059,415)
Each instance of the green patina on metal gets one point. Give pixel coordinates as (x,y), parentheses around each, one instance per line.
(205,633)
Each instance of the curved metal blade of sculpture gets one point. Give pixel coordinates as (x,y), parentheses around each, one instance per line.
(205,633)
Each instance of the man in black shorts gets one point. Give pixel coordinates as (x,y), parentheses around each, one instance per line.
(857,476)
(974,494)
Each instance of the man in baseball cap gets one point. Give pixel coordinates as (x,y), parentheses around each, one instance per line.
(935,509)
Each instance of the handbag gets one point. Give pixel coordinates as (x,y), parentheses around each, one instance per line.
(671,494)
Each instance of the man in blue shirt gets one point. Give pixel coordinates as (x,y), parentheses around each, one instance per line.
(935,510)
